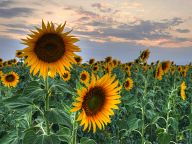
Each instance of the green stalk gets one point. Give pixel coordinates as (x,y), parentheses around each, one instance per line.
(143,126)
(47,104)
(74,132)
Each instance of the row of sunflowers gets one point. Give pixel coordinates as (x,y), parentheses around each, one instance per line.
(49,96)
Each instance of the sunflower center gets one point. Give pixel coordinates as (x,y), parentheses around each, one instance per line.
(50,47)
(94,101)
(83,77)
(19,53)
(10,78)
(65,75)
(127,83)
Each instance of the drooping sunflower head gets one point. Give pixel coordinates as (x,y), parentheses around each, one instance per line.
(115,62)
(145,55)
(84,77)
(49,49)
(108,59)
(91,61)
(10,79)
(78,59)
(182,91)
(66,76)
(128,84)
(159,72)
(96,103)
(19,54)
(166,66)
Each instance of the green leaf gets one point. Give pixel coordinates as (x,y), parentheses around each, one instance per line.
(32,138)
(133,122)
(64,134)
(85,140)
(164,137)
(58,116)
(10,138)
(33,89)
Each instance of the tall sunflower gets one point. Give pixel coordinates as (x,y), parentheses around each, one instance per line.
(10,79)
(91,61)
(182,91)
(96,103)
(49,49)
(166,66)
(84,77)
(128,85)
(159,72)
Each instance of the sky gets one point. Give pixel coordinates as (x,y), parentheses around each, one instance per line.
(117,28)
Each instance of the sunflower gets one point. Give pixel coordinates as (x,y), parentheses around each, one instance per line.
(95,68)
(128,85)
(49,49)
(166,66)
(1,74)
(108,59)
(159,72)
(145,55)
(115,62)
(182,91)
(180,69)
(96,103)
(19,54)
(10,79)
(84,77)
(78,59)
(66,76)
(1,66)
(1,60)
(91,61)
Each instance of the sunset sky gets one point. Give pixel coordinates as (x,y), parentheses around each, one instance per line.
(118,28)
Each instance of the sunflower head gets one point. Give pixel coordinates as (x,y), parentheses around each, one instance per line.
(95,68)
(91,61)
(166,66)
(108,59)
(96,103)
(66,76)
(1,60)
(182,91)
(19,54)
(78,59)
(10,79)
(145,55)
(49,49)
(128,84)
(84,77)
(180,69)
(159,72)
(115,62)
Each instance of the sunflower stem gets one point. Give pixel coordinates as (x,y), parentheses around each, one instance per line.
(74,132)
(47,104)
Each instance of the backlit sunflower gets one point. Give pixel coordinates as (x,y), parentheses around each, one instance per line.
(78,59)
(66,76)
(10,79)
(1,60)
(166,66)
(84,77)
(145,55)
(96,103)
(182,91)
(128,85)
(91,61)
(49,49)
(159,72)
(108,59)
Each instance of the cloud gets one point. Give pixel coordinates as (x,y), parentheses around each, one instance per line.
(6,3)
(183,30)
(101,7)
(15,12)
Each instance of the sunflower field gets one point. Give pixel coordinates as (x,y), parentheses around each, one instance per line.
(49,96)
